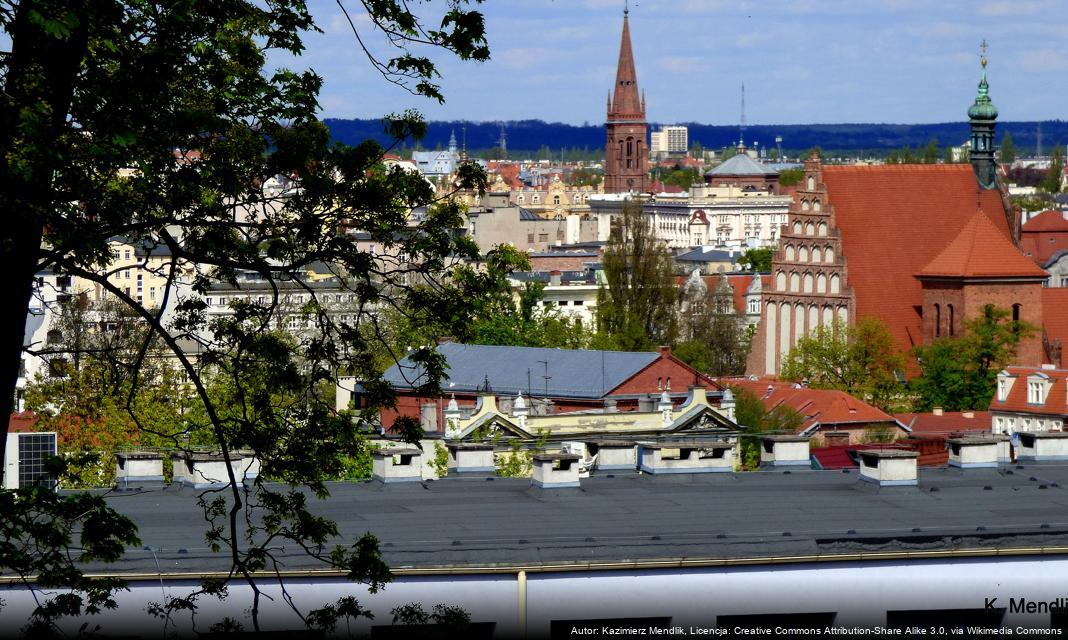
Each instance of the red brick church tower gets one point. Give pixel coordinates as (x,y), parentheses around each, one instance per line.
(626,152)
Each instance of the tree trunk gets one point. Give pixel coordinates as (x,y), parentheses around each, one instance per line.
(40,81)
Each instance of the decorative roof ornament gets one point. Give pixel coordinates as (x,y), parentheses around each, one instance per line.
(983,108)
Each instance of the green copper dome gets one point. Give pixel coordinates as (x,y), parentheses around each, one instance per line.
(983,108)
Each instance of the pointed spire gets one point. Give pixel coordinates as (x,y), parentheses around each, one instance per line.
(626,100)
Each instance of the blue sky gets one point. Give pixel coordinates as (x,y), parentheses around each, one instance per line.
(802,61)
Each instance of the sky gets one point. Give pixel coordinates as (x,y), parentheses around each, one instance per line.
(802,61)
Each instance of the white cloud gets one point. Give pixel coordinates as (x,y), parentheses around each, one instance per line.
(1042,60)
(680,64)
(1018,7)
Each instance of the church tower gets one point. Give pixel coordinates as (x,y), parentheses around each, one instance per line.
(626,152)
(982,116)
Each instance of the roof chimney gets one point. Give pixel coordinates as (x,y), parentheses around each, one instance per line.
(554,278)
(937,411)
(664,351)
(444,340)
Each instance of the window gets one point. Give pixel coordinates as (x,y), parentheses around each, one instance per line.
(556,199)
(1034,392)
(127,254)
(579,303)
(949,311)
(562,303)
(126,274)
(938,320)
(754,305)
(543,237)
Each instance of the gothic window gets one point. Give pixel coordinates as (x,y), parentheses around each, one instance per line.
(780,281)
(828,254)
(797,226)
(789,252)
(1016,318)
(810,229)
(804,205)
(630,152)
(795,282)
(821,283)
(808,283)
(816,256)
(949,312)
(836,284)
(811,183)
(938,320)
(802,254)
(822,230)
(815,205)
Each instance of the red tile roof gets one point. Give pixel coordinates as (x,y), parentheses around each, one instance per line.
(1016,400)
(981,250)
(947,424)
(825,407)
(932,453)
(21,422)
(1049,220)
(894,219)
(1044,236)
(1055,318)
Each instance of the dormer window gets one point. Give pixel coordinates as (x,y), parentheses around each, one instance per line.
(1036,389)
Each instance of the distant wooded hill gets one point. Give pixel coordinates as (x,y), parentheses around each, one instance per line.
(532,135)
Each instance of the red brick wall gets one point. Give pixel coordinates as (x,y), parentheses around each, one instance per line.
(968,300)
(945,295)
(1028,296)
(663,368)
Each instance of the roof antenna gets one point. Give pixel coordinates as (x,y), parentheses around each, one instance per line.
(741,123)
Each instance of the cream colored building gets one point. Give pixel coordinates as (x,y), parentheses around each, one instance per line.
(555,200)
(673,140)
(705,215)
(139,269)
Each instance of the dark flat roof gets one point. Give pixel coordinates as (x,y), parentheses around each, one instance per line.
(473,522)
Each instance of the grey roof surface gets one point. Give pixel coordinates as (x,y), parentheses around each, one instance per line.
(741,165)
(701,255)
(573,373)
(470,522)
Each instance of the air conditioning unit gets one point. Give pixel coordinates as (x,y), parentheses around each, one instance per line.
(24,459)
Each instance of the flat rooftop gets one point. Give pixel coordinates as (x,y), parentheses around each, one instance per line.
(475,522)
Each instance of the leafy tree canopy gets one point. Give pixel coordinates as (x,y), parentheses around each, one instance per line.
(758,260)
(960,373)
(163,124)
(860,359)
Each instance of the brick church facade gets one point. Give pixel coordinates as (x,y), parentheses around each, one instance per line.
(921,247)
(626,167)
